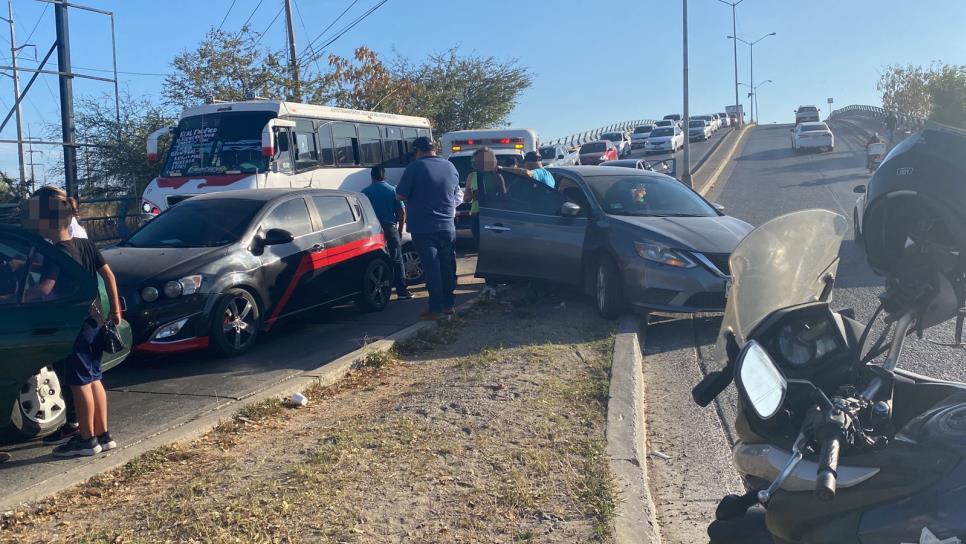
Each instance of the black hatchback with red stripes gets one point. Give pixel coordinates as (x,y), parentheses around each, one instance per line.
(216,269)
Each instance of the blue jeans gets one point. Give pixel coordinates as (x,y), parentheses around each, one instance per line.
(439,262)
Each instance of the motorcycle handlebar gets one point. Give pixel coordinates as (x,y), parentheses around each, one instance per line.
(828,464)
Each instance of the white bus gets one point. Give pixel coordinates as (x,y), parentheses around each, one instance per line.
(269,144)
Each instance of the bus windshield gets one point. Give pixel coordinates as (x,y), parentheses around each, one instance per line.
(222,143)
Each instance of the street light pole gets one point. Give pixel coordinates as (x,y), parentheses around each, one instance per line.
(751,46)
(734,31)
(686,177)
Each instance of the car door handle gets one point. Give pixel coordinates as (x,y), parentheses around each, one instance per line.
(496,228)
(316,248)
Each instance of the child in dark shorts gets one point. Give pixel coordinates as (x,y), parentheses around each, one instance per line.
(50,214)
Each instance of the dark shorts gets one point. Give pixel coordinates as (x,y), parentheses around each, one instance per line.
(83,366)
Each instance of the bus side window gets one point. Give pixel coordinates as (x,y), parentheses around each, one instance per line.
(394,147)
(370,145)
(283,153)
(326,149)
(306,152)
(345,140)
(409,135)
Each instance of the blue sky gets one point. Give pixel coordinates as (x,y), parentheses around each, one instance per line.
(594,62)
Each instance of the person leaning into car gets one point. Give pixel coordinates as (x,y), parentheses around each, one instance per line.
(392,216)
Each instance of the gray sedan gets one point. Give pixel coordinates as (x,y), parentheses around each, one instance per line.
(630,237)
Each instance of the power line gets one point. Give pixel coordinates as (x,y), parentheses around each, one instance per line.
(309,46)
(34,29)
(227,13)
(306,30)
(270,25)
(351,25)
(258,5)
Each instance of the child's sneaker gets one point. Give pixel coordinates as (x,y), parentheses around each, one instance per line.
(106,442)
(77,446)
(65,431)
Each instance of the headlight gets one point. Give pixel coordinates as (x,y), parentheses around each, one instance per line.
(149,294)
(173,289)
(187,285)
(664,255)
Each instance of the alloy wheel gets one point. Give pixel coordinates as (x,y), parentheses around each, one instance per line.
(238,324)
(377,287)
(412,266)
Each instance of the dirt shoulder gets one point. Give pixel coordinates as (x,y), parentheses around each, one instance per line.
(490,429)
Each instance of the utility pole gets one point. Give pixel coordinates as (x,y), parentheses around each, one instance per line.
(16,96)
(734,32)
(66,99)
(33,176)
(293,56)
(686,177)
(751,46)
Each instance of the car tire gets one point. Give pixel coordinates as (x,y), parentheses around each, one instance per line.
(608,289)
(235,323)
(39,408)
(857,226)
(412,266)
(376,286)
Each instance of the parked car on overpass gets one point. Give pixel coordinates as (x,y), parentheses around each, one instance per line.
(39,332)
(665,139)
(663,166)
(216,270)
(667,123)
(806,114)
(673,117)
(557,155)
(627,236)
(698,130)
(598,151)
(640,135)
(725,120)
(620,139)
(812,136)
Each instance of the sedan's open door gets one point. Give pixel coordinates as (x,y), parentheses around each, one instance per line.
(36,330)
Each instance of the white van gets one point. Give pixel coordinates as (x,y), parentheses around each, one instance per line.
(509,144)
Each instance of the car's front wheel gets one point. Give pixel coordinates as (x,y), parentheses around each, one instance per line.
(235,323)
(40,407)
(609,290)
(376,286)
(413,271)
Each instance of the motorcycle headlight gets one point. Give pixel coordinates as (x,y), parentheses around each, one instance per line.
(664,255)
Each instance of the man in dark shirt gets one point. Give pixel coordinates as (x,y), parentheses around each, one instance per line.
(391,212)
(431,189)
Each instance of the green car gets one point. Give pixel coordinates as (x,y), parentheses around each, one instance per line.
(35,334)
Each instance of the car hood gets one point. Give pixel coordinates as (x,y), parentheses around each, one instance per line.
(136,266)
(705,234)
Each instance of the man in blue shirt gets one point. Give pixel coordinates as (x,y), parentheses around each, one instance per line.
(430,186)
(392,216)
(533,167)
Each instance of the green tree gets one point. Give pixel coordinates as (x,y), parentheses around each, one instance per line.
(947,91)
(8,190)
(905,89)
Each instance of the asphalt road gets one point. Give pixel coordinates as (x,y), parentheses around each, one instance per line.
(147,395)
(767,180)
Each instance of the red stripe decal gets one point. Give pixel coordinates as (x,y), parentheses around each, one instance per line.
(207,181)
(189,344)
(320,259)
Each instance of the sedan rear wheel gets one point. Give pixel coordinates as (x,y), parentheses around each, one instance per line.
(40,406)
(235,323)
(609,291)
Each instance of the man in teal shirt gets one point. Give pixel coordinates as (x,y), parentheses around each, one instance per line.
(533,168)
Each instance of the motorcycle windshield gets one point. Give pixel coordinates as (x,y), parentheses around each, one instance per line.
(782,263)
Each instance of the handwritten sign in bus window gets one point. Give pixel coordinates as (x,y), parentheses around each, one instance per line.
(191,148)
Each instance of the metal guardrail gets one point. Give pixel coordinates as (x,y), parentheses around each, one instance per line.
(580,138)
(879,114)
(104,219)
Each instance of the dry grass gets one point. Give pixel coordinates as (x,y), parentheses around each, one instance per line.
(498,437)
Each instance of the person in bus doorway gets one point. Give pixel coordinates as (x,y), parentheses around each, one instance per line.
(430,187)
(483,178)
(533,167)
(391,213)
(50,214)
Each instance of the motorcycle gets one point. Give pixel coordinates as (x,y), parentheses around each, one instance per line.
(832,447)
(874,155)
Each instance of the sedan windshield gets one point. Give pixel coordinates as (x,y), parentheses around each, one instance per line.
(593,147)
(643,129)
(662,131)
(198,223)
(221,143)
(548,153)
(696,124)
(647,196)
(612,136)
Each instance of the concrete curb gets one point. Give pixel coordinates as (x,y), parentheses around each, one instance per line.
(707,156)
(704,187)
(636,517)
(197,425)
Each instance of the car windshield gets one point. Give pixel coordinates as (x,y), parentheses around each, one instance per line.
(696,124)
(593,147)
(222,143)
(814,127)
(643,129)
(665,123)
(612,136)
(810,109)
(198,223)
(647,196)
(548,153)
(663,131)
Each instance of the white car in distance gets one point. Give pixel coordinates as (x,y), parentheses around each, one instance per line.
(640,135)
(665,139)
(620,140)
(812,136)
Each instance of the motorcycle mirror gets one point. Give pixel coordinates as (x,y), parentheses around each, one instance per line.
(759,380)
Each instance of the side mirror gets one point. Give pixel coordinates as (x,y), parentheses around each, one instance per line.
(569,209)
(718,207)
(275,237)
(759,381)
(560,156)
(859,189)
